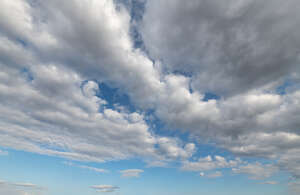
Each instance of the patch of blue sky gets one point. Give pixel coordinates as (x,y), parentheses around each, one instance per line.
(210,96)
(114,97)
(282,88)
(27,74)
(22,42)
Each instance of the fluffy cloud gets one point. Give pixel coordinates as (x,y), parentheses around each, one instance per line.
(52,107)
(208,163)
(131,173)
(257,170)
(226,47)
(242,51)
(53,55)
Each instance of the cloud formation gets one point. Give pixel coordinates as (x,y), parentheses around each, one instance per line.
(98,170)
(105,188)
(208,163)
(129,173)
(257,170)
(20,188)
(212,175)
(53,107)
(246,53)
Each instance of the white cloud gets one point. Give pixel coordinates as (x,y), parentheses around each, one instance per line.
(26,185)
(257,170)
(20,188)
(51,107)
(129,173)
(105,188)
(208,163)
(98,170)
(52,54)
(211,175)
(270,182)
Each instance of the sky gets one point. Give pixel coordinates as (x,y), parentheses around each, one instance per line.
(151,97)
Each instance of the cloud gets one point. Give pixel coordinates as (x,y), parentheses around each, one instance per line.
(53,106)
(208,163)
(270,182)
(211,175)
(26,185)
(86,167)
(129,173)
(172,149)
(227,48)
(257,170)
(20,188)
(105,188)
(53,57)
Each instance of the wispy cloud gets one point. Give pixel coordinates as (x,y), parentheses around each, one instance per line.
(20,187)
(269,182)
(129,173)
(98,170)
(105,188)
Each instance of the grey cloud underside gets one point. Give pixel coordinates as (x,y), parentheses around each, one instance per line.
(240,50)
(227,47)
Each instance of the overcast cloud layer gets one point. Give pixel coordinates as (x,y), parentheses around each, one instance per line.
(54,54)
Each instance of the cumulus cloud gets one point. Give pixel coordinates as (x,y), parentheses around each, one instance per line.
(53,57)
(208,163)
(129,173)
(226,47)
(257,170)
(105,188)
(52,106)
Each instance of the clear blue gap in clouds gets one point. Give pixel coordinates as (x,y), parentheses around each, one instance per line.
(286,85)
(25,72)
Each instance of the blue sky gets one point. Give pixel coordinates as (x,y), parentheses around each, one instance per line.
(131,97)
(60,178)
